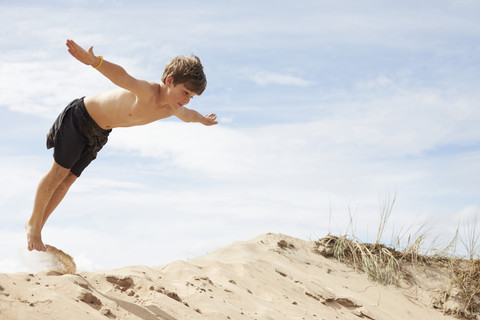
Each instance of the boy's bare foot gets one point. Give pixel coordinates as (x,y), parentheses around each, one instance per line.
(34,238)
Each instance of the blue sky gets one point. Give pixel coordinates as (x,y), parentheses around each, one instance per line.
(326,109)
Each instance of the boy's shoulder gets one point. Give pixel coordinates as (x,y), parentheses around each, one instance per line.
(148,89)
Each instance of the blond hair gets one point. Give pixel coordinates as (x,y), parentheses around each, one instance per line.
(188,71)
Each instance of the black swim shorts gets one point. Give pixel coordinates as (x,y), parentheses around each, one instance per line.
(76,138)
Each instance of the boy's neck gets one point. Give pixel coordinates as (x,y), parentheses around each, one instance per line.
(162,94)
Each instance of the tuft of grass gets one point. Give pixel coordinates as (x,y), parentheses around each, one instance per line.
(413,249)
(471,239)
(377,261)
(386,210)
(387,265)
(466,279)
(448,251)
(466,273)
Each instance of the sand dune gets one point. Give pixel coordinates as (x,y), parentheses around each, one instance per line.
(271,277)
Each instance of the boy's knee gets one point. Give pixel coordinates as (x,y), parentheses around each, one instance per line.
(70,178)
(58,172)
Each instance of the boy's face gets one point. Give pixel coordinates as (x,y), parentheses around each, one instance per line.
(178,95)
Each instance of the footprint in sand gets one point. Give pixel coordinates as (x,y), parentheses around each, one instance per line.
(90,299)
(123,283)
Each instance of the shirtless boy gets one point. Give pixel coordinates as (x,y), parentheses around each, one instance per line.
(82,129)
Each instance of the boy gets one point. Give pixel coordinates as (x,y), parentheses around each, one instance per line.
(82,129)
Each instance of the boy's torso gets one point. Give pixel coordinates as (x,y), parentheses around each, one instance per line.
(122,108)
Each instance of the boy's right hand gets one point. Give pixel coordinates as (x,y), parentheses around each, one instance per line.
(81,55)
(210,119)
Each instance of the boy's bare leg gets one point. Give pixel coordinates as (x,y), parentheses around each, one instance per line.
(45,191)
(58,195)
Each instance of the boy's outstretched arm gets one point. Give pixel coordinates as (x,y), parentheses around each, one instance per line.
(114,72)
(189,115)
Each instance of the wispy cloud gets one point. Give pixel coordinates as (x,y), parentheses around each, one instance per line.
(265,78)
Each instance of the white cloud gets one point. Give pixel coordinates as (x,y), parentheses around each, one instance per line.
(45,87)
(390,120)
(265,78)
(468,214)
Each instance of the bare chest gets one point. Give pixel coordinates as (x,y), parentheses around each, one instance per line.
(123,109)
(143,112)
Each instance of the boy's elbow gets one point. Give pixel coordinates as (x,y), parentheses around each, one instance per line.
(185,119)
(193,118)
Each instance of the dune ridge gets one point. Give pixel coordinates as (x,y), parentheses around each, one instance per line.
(270,277)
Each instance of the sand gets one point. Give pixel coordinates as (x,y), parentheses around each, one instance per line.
(271,277)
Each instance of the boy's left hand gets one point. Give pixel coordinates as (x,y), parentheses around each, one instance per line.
(86,57)
(210,119)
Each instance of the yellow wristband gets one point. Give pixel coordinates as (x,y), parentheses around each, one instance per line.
(101,61)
